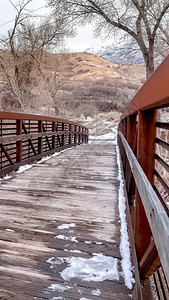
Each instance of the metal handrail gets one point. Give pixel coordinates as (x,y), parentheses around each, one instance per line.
(153,94)
(26,138)
(138,142)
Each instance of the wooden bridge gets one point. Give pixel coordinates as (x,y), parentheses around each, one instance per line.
(62,227)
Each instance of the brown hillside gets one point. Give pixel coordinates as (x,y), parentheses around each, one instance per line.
(73,84)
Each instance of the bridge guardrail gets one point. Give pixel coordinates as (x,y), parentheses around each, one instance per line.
(26,138)
(143,139)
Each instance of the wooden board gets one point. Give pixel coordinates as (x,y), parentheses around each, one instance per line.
(79,186)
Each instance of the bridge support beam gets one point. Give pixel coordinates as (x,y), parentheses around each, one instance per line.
(150,262)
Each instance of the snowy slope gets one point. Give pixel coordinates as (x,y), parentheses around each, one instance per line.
(117,54)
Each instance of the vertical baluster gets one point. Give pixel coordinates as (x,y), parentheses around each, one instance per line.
(75,135)
(131,138)
(63,136)
(124,127)
(40,138)
(1,149)
(70,136)
(82,135)
(79,139)
(87,135)
(124,159)
(54,136)
(19,143)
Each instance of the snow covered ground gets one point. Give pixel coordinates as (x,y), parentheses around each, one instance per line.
(103,125)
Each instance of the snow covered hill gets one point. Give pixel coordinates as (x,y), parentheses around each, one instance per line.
(117,54)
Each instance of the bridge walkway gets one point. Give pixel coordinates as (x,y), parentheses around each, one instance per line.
(60,228)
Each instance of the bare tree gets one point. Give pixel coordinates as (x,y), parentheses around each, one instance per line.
(162,41)
(11,67)
(139,19)
(27,41)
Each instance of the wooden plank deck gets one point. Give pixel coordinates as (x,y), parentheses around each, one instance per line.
(77,187)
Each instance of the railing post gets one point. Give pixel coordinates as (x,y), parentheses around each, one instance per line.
(40,138)
(124,160)
(63,135)
(54,136)
(19,143)
(131,131)
(70,136)
(145,155)
(75,135)
(79,139)
(87,135)
(85,131)
(82,135)
(124,127)
(131,138)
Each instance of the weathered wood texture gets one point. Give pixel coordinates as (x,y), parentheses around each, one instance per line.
(155,212)
(79,186)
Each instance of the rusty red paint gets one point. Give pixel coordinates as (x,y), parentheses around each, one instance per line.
(154,93)
(33,137)
(140,117)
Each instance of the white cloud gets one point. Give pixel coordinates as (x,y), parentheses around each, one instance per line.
(83,40)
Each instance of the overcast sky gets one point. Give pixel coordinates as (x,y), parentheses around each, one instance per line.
(81,42)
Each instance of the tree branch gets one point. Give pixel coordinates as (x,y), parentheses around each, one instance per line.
(159,20)
(114,23)
(143,13)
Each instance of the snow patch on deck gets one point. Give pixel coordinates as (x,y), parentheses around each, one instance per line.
(59,287)
(66,238)
(98,268)
(23,169)
(96,292)
(66,226)
(6,177)
(10,230)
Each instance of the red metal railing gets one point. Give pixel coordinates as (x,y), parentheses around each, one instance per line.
(26,138)
(143,139)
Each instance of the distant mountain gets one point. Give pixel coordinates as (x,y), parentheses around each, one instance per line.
(117,54)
